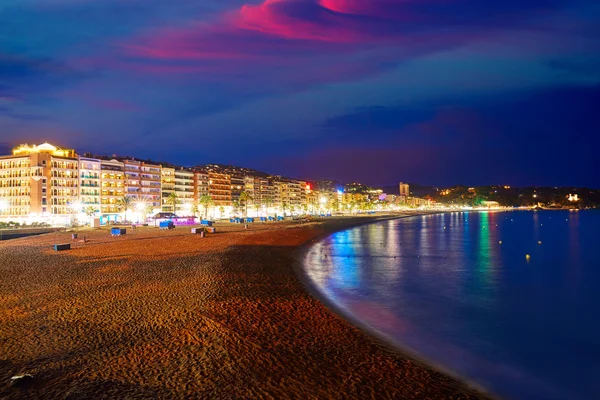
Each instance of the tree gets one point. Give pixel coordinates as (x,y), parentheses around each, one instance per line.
(173,200)
(195,210)
(235,205)
(268,203)
(148,210)
(245,197)
(124,204)
(90,211)
(221,211)
(206,200)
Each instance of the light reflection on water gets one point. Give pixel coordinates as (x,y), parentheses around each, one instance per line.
(457,290)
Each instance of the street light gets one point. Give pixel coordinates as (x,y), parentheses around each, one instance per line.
(140,206)
(76,206)
(3,205)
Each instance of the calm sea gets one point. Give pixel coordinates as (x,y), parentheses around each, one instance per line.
(509,301)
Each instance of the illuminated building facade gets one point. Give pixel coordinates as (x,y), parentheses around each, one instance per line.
(143,182)
(112,181)
(237,187)
(90,184)
(404,189)
(52,184)
(167,188)
(38,181)
(290,195)
(184,189)
(200,185)
(219,188)
(150,184)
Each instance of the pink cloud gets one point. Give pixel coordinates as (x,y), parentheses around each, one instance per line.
(277,18)
(296,42)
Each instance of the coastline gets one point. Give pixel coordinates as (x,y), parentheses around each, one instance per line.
(379,337)
(226,316)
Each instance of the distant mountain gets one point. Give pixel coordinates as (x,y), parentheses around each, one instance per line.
(232,169)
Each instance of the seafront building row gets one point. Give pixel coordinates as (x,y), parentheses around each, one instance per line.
(51,184)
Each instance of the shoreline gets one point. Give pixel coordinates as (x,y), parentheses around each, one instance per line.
(385,341)
(225,316)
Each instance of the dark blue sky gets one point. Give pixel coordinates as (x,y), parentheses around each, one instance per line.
(431,91)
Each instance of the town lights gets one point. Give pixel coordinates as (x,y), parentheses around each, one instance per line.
(323,200)
(3,205)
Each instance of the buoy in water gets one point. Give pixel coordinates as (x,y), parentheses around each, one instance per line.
(539,242)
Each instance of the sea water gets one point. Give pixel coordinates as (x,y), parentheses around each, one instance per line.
(509,301)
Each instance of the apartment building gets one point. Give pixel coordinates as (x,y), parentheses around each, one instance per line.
(184,189)
(143,182)
(90,184)
(64,184)
(200,185)
(38,181)
(219,188)
(150,184)
(167,188)
(237,187)
(112,182)
(290,195)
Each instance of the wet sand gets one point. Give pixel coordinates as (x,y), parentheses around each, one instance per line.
(170,315)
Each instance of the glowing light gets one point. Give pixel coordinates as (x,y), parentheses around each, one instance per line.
(3,205)
(76,206)
(25,149)
(323,200)
(140,206)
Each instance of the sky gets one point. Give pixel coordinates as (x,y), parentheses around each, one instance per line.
(436,92)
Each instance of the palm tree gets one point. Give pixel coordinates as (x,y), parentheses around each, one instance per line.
(205,200)
(235,205)
(124,204)
(268,203)
(195,210)
(245,197)
(173,200)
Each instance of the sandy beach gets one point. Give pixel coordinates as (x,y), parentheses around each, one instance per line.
(170,315)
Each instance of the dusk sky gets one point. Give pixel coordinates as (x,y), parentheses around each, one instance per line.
(435,92)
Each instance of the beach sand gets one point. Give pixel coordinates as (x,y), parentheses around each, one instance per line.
(170,315)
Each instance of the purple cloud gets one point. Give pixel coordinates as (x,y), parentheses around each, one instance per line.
(279,38)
